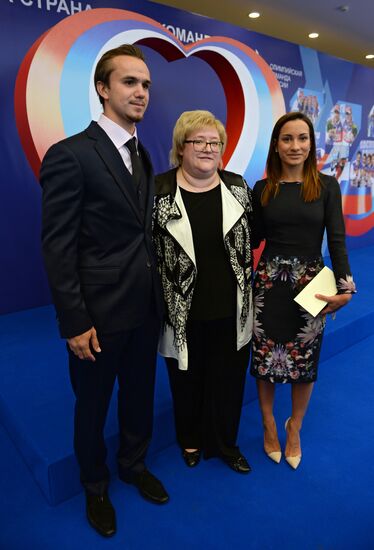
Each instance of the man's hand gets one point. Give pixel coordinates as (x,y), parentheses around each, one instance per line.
(334,302)
(81,345)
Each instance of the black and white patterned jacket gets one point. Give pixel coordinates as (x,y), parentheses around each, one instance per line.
(177,264)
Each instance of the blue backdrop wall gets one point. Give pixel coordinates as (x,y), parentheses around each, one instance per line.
(48,52)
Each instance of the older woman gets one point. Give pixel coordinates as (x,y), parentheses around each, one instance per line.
(293,207)
(202,237)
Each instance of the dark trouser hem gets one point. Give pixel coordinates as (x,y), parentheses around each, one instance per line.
(207,398)
(233,452)
(97,488)
(129,474)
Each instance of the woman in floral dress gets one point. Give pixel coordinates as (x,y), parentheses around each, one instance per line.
(293,207)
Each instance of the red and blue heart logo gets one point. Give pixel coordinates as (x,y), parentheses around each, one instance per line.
(55,95)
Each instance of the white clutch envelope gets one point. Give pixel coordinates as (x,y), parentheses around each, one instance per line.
(323,283)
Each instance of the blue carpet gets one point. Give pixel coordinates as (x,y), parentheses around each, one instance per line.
(37,408)
(327,504)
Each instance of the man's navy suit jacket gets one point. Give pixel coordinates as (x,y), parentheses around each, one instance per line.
(97,245)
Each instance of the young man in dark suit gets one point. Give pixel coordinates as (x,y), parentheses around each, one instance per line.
(97,204)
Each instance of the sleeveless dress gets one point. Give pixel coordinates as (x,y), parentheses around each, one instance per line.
(286,338)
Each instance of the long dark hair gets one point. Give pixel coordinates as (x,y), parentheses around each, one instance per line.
(311,188)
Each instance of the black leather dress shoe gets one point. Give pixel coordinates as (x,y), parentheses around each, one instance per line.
(191,458)
(101,514)
(149,487)
(238,464)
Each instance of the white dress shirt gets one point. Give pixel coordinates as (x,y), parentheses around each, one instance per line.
(119,136)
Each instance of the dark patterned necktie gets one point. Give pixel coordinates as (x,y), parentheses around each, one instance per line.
(136,164)
(139,176)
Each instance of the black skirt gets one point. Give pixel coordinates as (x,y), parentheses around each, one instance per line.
(286,339)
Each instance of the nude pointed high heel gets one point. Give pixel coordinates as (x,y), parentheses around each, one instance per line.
(275,456)
(293,461)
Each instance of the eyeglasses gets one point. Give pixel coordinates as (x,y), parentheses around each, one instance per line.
(200,145)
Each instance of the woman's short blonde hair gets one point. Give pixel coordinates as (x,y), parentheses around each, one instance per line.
(188,122)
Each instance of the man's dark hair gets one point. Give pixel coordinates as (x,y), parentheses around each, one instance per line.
(104,66)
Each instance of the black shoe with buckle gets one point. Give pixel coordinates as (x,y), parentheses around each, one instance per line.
(191,458)
(101,514)
(238,464)
(148,486)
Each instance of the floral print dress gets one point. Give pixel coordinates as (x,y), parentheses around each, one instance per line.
(286,339)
